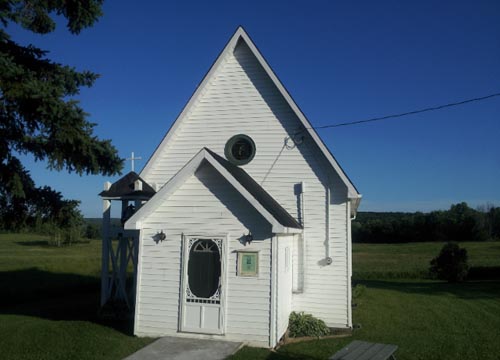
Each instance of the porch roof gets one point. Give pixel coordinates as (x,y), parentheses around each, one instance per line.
(270,209)
(124,188)
(258,192)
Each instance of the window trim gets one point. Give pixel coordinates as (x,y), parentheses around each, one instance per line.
(231,142)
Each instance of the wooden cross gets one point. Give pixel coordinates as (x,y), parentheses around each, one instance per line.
(132,158)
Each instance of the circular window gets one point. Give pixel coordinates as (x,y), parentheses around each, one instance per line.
(240,149)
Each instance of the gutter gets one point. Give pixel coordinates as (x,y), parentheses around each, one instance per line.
(354,201)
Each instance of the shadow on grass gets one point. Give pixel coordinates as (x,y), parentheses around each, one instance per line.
(42,243)
(289,356)
(466,290)
(484,273)
(55,296)
(45,243)
(257,353)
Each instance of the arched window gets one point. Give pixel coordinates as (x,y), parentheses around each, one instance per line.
(204,268)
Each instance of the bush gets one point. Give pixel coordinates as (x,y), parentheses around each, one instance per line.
(451,263)
(306,325)
(358,291)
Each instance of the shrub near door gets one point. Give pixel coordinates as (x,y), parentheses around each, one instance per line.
(307,325)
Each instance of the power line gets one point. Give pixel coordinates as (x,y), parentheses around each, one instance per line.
(434,108)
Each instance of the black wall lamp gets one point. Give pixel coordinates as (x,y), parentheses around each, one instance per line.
(248,238)
(160,236)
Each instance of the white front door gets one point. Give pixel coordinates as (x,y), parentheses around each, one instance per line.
(203,285)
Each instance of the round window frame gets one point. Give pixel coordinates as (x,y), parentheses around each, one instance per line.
(231,142)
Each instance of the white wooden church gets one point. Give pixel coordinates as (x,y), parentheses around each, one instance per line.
(241,216)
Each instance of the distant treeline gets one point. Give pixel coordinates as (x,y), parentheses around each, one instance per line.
(93,228)
(459,223)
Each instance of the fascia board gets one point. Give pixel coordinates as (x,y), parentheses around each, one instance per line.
(244,192)
(350,187)
(192,100)
(172,185)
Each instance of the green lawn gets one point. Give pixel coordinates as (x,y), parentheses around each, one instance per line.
(407,261)
(49,303)
(426,319)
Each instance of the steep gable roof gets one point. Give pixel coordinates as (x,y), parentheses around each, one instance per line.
(270,209)
(241,35)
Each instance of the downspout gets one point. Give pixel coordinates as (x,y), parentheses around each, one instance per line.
(349,263)
(302,273)
(328,259)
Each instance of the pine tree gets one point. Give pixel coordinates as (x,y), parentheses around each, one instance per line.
(38,112)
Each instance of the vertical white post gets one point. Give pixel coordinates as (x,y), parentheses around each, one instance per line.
(122,270)
(349,264)
(121,259)
(106,219)
(135,258)
(274,290)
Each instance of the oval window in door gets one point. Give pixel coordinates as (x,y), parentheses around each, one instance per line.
(204,268)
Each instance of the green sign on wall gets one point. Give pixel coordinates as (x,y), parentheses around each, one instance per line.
(248,263)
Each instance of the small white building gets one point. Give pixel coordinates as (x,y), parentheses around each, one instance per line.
(251,219)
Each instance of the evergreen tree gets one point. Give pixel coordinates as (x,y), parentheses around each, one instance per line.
(38,114)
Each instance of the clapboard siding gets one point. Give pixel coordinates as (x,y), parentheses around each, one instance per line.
(229,214)
(241,98)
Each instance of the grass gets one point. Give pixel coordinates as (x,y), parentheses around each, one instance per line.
(427,319)
(411,261)
(49,303)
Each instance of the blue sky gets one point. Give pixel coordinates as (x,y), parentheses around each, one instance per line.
(341,61)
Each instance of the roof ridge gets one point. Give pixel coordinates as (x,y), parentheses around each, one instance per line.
(241,35)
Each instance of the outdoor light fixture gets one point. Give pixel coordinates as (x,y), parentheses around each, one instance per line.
(161,236)
(248,238)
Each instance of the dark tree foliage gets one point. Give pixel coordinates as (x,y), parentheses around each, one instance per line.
(39,116)
(92,231)
(451,263)
(459,223)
